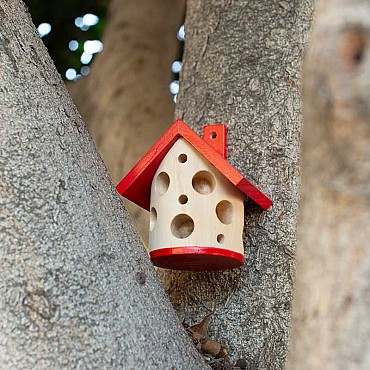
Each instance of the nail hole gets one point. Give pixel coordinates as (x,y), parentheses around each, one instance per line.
(182,158)
(182,226)
(183,199)
(220,238)
(162,183)
(225,212)
(203,182)
(153,218)
(213,135)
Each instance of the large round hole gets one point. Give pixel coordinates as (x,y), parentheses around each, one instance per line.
(225,212)
(213,135)
(220,238)
(182,226)
(162,183)
(203,182)
(183,199)
(182,158)
(153,218)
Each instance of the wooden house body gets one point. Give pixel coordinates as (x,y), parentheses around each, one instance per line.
(195,199)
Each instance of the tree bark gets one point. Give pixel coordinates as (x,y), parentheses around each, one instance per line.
(76,287)
(331,327)
(242,67)
(125,101)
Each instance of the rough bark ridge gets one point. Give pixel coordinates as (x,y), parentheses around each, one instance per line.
(76,287)
(331,325)
(242,62)
(125,101)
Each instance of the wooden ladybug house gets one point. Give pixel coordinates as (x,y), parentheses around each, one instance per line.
(195,199)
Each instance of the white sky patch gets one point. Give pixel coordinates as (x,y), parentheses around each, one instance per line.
(71,74)
(44,29)
(85,70)
(181,33)
(73,45)
(174,87)
(86,58)
(86,21)
(90,19)
(79,22)
(176,66)
(93,46)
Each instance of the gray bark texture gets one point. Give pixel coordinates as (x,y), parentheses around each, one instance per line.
(125,101)
(77,290)
(331,311)
(242,67)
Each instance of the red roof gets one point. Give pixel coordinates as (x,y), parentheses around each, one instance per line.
(136,185)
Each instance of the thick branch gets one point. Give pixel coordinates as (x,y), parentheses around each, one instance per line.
(331,325)
(242,64)
(76,287)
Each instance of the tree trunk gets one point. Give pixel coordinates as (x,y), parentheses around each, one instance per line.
(241,67)
(331,313)
(76,287)
(125,101)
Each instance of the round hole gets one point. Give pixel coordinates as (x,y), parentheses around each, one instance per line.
(203,182)
(182,158)
(221,238)
(162,183)
(213,135)
(153,218)
(225,212)
(182,226)
(183,199)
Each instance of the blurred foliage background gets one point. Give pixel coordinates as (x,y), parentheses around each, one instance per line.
(72,31)
(68,21)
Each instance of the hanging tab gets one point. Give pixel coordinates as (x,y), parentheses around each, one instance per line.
(216,136)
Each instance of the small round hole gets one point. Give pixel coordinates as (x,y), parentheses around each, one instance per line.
(162,183)
(225,212)
(213,135)
(221,238)
(153,218)
(203,182)
(182,226)
(182,158)
(183,199)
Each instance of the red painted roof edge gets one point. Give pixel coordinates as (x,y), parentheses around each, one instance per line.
(230,172)
(144,162)
(136,185)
